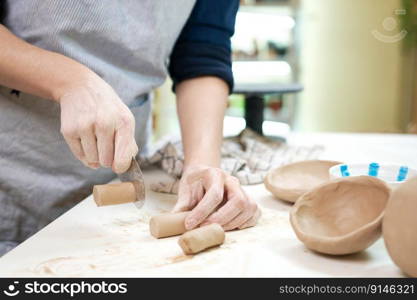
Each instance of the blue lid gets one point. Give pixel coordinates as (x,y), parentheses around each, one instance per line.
(402,173)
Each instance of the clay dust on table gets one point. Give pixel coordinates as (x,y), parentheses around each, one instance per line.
(129,255)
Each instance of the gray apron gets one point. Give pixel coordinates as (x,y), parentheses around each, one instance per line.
(128,44)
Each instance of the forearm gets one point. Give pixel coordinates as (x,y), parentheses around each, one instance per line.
(36,71)
(201,104)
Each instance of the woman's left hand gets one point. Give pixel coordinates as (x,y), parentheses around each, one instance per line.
(213,196)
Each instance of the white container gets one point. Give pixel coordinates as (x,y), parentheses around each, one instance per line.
(387,172)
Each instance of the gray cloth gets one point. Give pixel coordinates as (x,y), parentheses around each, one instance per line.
(248,157)
(128,44)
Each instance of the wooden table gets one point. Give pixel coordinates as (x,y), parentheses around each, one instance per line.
(114,241)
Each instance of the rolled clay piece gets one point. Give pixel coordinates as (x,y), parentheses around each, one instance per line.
(399,227)
(114,193)
(202,238)
(169,224)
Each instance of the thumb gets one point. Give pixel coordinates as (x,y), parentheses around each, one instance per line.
(125,149)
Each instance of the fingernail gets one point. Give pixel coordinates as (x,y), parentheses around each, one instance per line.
(190,223)
(121,168)
(94,165)
(117,170)
(178,209)
(106,165)
(175,209)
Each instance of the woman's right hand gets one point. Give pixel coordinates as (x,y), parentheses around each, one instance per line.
(98,127)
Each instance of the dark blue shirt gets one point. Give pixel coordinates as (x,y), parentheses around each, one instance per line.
(203,47)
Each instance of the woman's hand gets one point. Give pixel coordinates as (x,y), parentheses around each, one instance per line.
(215,197)
(97,125)
(211,194)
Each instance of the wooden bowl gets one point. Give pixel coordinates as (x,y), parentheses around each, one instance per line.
(289,182)
(399,227)
(342,216)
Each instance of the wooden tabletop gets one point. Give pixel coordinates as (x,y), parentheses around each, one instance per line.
(115,241)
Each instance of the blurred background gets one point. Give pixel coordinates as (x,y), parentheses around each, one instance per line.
(318,65)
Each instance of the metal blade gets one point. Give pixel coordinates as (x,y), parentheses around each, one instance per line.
(134,175)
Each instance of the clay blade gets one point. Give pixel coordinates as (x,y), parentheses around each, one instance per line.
(134,175)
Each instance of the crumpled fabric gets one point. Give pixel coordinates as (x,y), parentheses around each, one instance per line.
(248,157)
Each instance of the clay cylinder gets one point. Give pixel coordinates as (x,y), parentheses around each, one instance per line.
(166,225)
(202,238)
(114,193)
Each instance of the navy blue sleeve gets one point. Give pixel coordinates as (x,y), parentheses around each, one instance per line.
(203,47)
